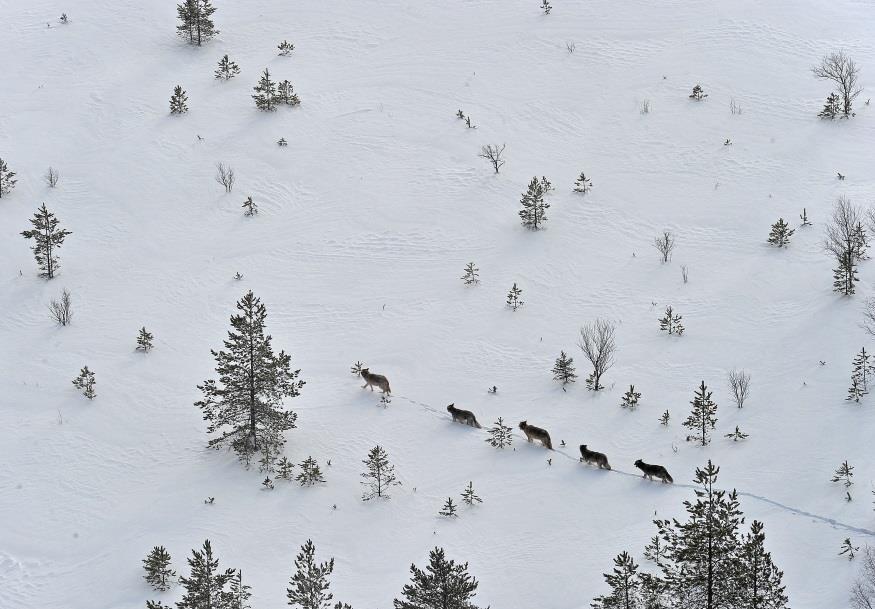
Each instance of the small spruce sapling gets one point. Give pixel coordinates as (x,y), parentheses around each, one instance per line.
(267,483)
(157,567)
(178,101)
(583,184)
(47,237)
(546,7)
(310,473)
(655,550)
(500,435)
(460,114)
(664,418)
(848,549)
(832,108)
(468,495)
(144,340)
(7,179)
(780,234)
(844,474)
(449,509)
(563,369)
(284,469)
(703,416)
(671,322)
(472,274)
(736,435)
(547,185)
(698,93)
(227,69)
(630,398)
(250,207)
(265,93)
(356,368)
(513,297)
(804,217)
(380,475)
(85,382)
(285,48)
(286,94)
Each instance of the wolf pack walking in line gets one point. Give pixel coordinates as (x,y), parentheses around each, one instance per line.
(532,433)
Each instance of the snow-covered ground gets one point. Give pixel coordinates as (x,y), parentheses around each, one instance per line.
(367,220)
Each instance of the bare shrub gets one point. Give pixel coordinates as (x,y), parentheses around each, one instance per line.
(841,70)
(739,386)
(685,273)
(492,153)
(863,589)
(52,177)
(734,106)
(570,46)
(665,245)
(62,310)
(598,345)
(645,106)
(225,176)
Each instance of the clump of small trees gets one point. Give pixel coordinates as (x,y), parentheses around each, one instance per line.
(843,72)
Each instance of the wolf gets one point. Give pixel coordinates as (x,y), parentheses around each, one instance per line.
(654,470)
(463,416)
(536,433)
(379,380)
(593,457)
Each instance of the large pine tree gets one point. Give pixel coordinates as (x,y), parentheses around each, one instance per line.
(205,587)
(245,406)
(534,211)
(703,416)
(47,238)
(442,585)
(308,588)
(157,567)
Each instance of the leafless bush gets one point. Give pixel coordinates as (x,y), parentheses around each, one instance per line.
(62,310)
(645,106)
(863,589)
(225,176)
(843,233)
(52,177)
(739,386)
(492,153)
(869,316)
(597,343)
(734,107)
(665,245)
(570,46)
(840,69)
(685,273)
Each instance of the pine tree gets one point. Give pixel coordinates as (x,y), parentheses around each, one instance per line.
(267,483)
(625,586)
(534,211)
(449,509)
(760,582)
(513,297)
(630,398)
(663,420)
(205,585)
(240,592)
(85,382)
(736,435)
(286,94)
(227,69)
(804,217)
(471,276)
(144,340)
(703,416)
(7,179)
(468,495)
(196,23)
(832,108)
(380,476)
(250,207)
(780,234)
(245,407)
(844,474)
(862,369)
(500,435)
(855,391)
(156,605)
(442,585)
(563,369)
(671,322)
(701,554)
(861,242)
(655,550)
(158,571)
(285,48)
(308,587)
(265,93)
(583,184)
(284,469)
(547,185)
(849,549)
(310,473)
(845,274)
(47,238)
(698,93)
(546,6)
(178,101)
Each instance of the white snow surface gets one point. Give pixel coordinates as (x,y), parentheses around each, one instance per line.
(366,221)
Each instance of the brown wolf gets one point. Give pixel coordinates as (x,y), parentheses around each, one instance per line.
(379,380)
(593,457)
(536,433)
(654,470)
(463,416)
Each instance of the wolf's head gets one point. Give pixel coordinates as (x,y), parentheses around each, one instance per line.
(365,371)
(451,407)
(639,463)
(523,425)
(582,447)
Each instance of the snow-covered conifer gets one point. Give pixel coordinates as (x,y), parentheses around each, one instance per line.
(47,238)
